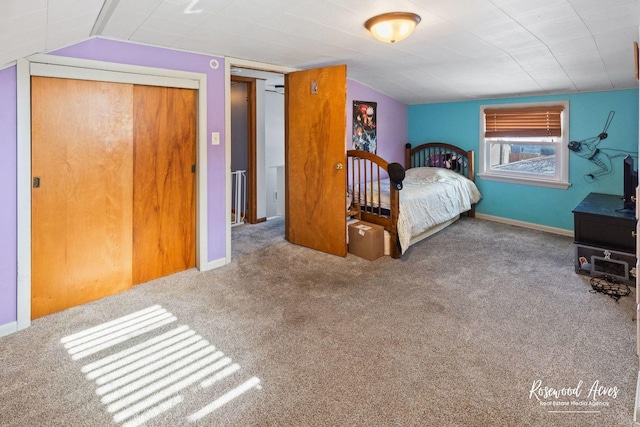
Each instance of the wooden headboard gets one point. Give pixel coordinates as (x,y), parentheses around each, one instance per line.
(441,155)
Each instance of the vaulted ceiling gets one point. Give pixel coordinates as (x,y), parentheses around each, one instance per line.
(462,49)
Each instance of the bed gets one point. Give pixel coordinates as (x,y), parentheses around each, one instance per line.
(434,188)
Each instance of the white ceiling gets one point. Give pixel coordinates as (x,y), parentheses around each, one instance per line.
(462,49)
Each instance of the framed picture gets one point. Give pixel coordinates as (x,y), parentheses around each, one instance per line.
(364,134)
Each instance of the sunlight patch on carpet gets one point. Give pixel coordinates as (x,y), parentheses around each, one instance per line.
(143,370)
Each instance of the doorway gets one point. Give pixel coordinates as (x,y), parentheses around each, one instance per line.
(257,144)
(319,128)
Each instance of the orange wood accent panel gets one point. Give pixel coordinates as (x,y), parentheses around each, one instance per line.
(82,212)
(164,184)
(315,144)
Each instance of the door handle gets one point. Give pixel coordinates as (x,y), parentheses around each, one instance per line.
(339,166)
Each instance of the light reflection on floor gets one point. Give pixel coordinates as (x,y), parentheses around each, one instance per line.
(149,378)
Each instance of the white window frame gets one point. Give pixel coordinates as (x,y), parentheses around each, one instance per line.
(561,177)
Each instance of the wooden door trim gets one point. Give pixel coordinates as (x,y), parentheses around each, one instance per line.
(286,156)
(252,160)
(59,66)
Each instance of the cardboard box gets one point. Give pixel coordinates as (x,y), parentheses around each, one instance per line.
(366,240)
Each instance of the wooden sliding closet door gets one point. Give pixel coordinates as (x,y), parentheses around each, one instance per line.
(164,181)
(82,168)
(113,197)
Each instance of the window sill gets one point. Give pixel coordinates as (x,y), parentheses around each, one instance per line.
(526,181)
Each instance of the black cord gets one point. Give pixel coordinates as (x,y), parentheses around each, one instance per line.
(609,286)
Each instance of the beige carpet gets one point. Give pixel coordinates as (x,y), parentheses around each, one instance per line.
(469,328)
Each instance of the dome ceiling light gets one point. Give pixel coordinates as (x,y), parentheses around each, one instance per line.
(393,26)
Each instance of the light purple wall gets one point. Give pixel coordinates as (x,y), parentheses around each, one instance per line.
(392,135)
(8,195)
(134,54)
(392,126)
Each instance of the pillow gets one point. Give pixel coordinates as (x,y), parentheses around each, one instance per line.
(443,160)
(431,174)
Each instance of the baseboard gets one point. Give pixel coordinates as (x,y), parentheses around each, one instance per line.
(211,265)
(636,409)
(8,329)
(524,224)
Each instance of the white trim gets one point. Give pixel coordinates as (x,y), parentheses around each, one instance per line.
(202,220)
(636,406)
(23,178)
(515,179)
(227,158)
(70,72)
(98,70)
(531,225)
(8,329)
(244,63)
(98,66)
(261,202)
(217,263)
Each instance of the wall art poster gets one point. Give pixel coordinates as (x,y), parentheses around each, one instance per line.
(364,126)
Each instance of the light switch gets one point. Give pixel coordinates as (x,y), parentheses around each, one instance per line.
(215,138)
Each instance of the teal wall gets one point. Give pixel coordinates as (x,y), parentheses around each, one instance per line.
(458,123)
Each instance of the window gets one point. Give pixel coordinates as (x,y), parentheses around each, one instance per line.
(525,143)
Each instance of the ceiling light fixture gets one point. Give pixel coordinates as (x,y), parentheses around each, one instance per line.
(393,26)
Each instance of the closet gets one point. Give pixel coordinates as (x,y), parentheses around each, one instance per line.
(113,192)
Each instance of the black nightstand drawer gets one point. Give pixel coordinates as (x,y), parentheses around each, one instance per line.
(601,221)
(606,232)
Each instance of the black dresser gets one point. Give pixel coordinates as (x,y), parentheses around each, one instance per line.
(605,242)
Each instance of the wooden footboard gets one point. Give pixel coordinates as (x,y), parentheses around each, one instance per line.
(365,171)
(442,155)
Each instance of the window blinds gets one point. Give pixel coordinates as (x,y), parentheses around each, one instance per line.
(523,122)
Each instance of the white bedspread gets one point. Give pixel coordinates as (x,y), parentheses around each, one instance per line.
(430,196)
